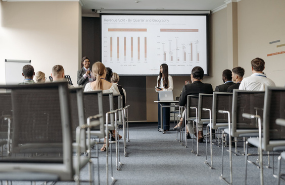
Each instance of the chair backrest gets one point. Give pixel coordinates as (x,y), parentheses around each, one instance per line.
(108,105)
(93,105)
(118,104)
(274,108)
(251,102)
(68,78)
(205,101)
(5,111)
(177,98)
(77,113)
(221,101)
(192,101)
(41,124)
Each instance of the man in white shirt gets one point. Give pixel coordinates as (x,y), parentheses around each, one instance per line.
(258,80)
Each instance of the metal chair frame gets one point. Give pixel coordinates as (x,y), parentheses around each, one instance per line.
(264,142)
(194,119)
(233,131)
(63,171)
(213,125)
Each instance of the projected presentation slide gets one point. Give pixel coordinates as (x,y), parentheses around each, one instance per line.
(139,44)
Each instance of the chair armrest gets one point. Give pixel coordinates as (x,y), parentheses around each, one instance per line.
(280,122)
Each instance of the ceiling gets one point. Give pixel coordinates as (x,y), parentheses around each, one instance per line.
(151,4)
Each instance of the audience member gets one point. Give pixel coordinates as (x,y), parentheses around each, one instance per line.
(227,79)
(115,79)
(99,71)
(237,74)
(258,80)
(40,77)
(57,73)
(109,74)
(28,73)
(83,75)
(196,87)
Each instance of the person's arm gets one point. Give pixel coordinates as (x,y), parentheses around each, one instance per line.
(230,89)
(116,89)
(170,84)
(242,85)
(81,77)
(125,95)
(183,97)
(157,85)
(217,89)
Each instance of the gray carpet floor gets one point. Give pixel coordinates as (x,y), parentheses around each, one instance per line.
(156,158)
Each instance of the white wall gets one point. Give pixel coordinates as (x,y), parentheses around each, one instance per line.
(47,33)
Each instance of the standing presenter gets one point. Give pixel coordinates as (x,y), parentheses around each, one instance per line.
(164,83)
(84,74)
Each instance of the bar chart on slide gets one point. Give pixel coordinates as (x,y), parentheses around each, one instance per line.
(126,47)
(139,44)
(177,47)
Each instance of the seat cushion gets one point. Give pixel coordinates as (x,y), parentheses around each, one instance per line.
(28,176)
(243,133)
(275,145)
(283,155)
(92,143)
(83,161)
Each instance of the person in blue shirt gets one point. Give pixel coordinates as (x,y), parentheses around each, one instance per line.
(28,73)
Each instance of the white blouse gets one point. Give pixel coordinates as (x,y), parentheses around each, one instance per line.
(114,89)
(170,84)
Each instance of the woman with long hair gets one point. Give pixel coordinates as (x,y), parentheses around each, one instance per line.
(99,71)
(164,83)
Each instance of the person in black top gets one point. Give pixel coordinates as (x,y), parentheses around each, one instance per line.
(227,79)
(237,74)
(109,74)
(195,88)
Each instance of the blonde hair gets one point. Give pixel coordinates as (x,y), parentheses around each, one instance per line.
(40,77)
(115,78)
(98,69)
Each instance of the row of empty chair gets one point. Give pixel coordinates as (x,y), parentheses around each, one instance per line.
(249,115)
(48,131)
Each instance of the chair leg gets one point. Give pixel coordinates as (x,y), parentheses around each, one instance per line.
(98,166)
(91,171)
(279,170)
(230,156)
(246,159)
(221,177)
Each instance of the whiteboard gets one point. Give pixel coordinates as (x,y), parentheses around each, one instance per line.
(14,70)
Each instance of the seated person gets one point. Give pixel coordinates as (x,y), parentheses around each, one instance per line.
(99,71)
(58,74)
(258,80)
(109,74)
(115,79)
(227,79)
(237,74)
(195,88)
(40,77)
(28,73)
